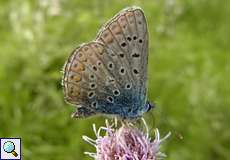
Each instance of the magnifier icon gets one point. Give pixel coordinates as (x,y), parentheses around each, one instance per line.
(9,147)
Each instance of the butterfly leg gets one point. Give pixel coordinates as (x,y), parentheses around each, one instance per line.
(83,112)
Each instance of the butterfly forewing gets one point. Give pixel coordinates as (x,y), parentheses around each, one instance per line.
(109,75)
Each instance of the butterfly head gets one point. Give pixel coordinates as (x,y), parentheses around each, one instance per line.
(149,105)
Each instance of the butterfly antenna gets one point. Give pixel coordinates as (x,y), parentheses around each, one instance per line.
(146,127)
(152,116)
(115,122)
(173,130)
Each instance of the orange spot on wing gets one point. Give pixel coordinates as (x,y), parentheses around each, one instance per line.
(80,67)
(77,78)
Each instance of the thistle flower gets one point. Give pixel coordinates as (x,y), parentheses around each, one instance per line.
(125,143)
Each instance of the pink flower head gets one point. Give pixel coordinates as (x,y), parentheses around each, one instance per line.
(125,143)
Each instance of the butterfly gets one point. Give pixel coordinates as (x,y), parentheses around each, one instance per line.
(108,75)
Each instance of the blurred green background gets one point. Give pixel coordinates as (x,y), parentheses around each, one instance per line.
(189,71)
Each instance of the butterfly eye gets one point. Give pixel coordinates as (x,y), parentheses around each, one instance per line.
(134,37)
(150,106)
(91,94)
(110,99)
(140,41)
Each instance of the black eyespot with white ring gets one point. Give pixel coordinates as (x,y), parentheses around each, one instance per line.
(91,94)
(92,85)
(110,65)
(94,104)
(116,92)
(92,77)
(122,71)
(128,86)
(110,99)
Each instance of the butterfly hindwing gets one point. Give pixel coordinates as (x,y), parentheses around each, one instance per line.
(88,80)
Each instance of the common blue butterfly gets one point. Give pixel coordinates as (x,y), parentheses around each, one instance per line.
(108,75)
